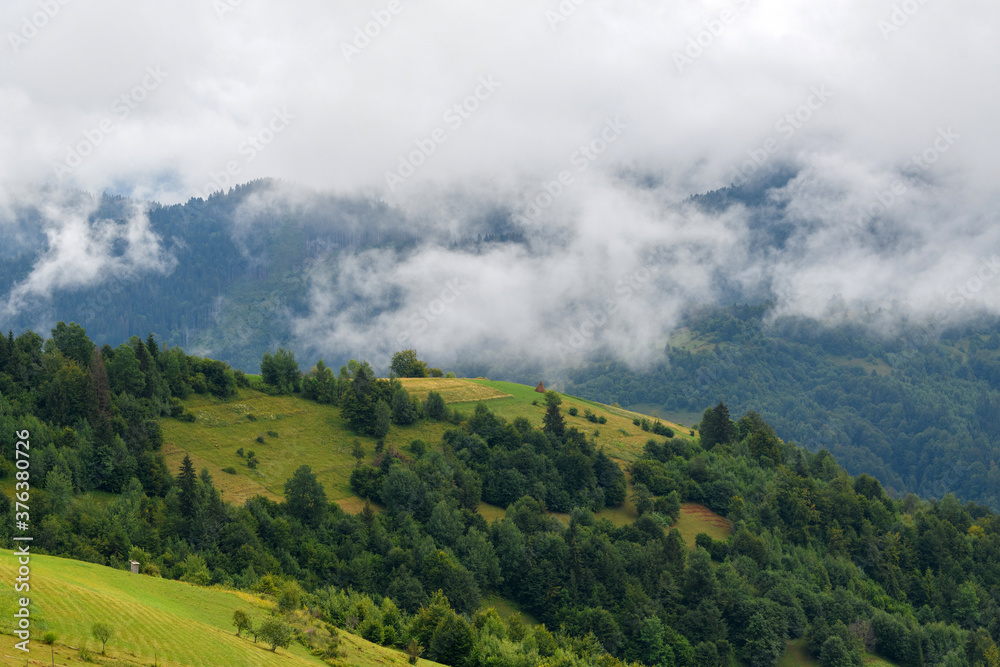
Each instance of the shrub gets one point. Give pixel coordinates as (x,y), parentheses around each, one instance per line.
(261,440)
(49,638)
(186,417)
(240,453)
(573,412)
(251,417)
(602,420)
(231,470)
(273,434)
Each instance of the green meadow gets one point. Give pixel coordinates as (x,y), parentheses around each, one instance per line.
(170,622)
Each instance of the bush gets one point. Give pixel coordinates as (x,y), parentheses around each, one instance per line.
(272,434)
(662,429)
(231,470)
(49,638)
(251,417)
(573,412)
(602,420)
(186,417)
(261,440)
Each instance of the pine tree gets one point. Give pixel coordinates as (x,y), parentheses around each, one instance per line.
(186,482)
(553,421)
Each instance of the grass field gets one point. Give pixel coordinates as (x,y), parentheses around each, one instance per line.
(797,653)
(696,519)
(181,623)
(621,439)
(307,433)
(452,390)
(296,431)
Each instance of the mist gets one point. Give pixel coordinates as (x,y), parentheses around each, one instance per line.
(587,127)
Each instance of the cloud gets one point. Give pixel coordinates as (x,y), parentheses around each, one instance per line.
(353,107)
(84,250)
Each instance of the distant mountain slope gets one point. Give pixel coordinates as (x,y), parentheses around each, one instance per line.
(922,418)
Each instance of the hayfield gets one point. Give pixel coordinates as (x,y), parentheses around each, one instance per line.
(695,518)
(174,622)
(452,390)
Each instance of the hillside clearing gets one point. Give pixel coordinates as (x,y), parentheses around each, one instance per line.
(181,623)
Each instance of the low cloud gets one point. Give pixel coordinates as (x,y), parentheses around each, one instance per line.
(84,250)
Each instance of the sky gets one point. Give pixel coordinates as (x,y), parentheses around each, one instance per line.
(886,111)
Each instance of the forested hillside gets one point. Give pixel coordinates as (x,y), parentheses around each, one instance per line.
(234,265)
(921,411)
(814,553)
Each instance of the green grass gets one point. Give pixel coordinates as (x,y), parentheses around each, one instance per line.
(618,445)
(308,434)
(796,653)
(316,435)
(182,623)
(696,519)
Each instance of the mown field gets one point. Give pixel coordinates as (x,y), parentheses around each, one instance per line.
(171,622)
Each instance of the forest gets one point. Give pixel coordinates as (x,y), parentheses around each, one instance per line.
(919,410)
(814,553)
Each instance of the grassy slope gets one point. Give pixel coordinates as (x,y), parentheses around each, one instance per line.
(313,434)
(798,654)
(184,624)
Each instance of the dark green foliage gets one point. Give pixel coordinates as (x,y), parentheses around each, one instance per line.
(403,412)
(814,551)
(405,364)
(434,406)
(73,342)
(366,481)
(716,427)
(553,420)
(305,497)
(280,370)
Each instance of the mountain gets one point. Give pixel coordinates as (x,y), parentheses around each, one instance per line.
(921,412)
(484,522)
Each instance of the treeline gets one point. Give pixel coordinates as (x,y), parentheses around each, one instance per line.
(814,553)
(921,411)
